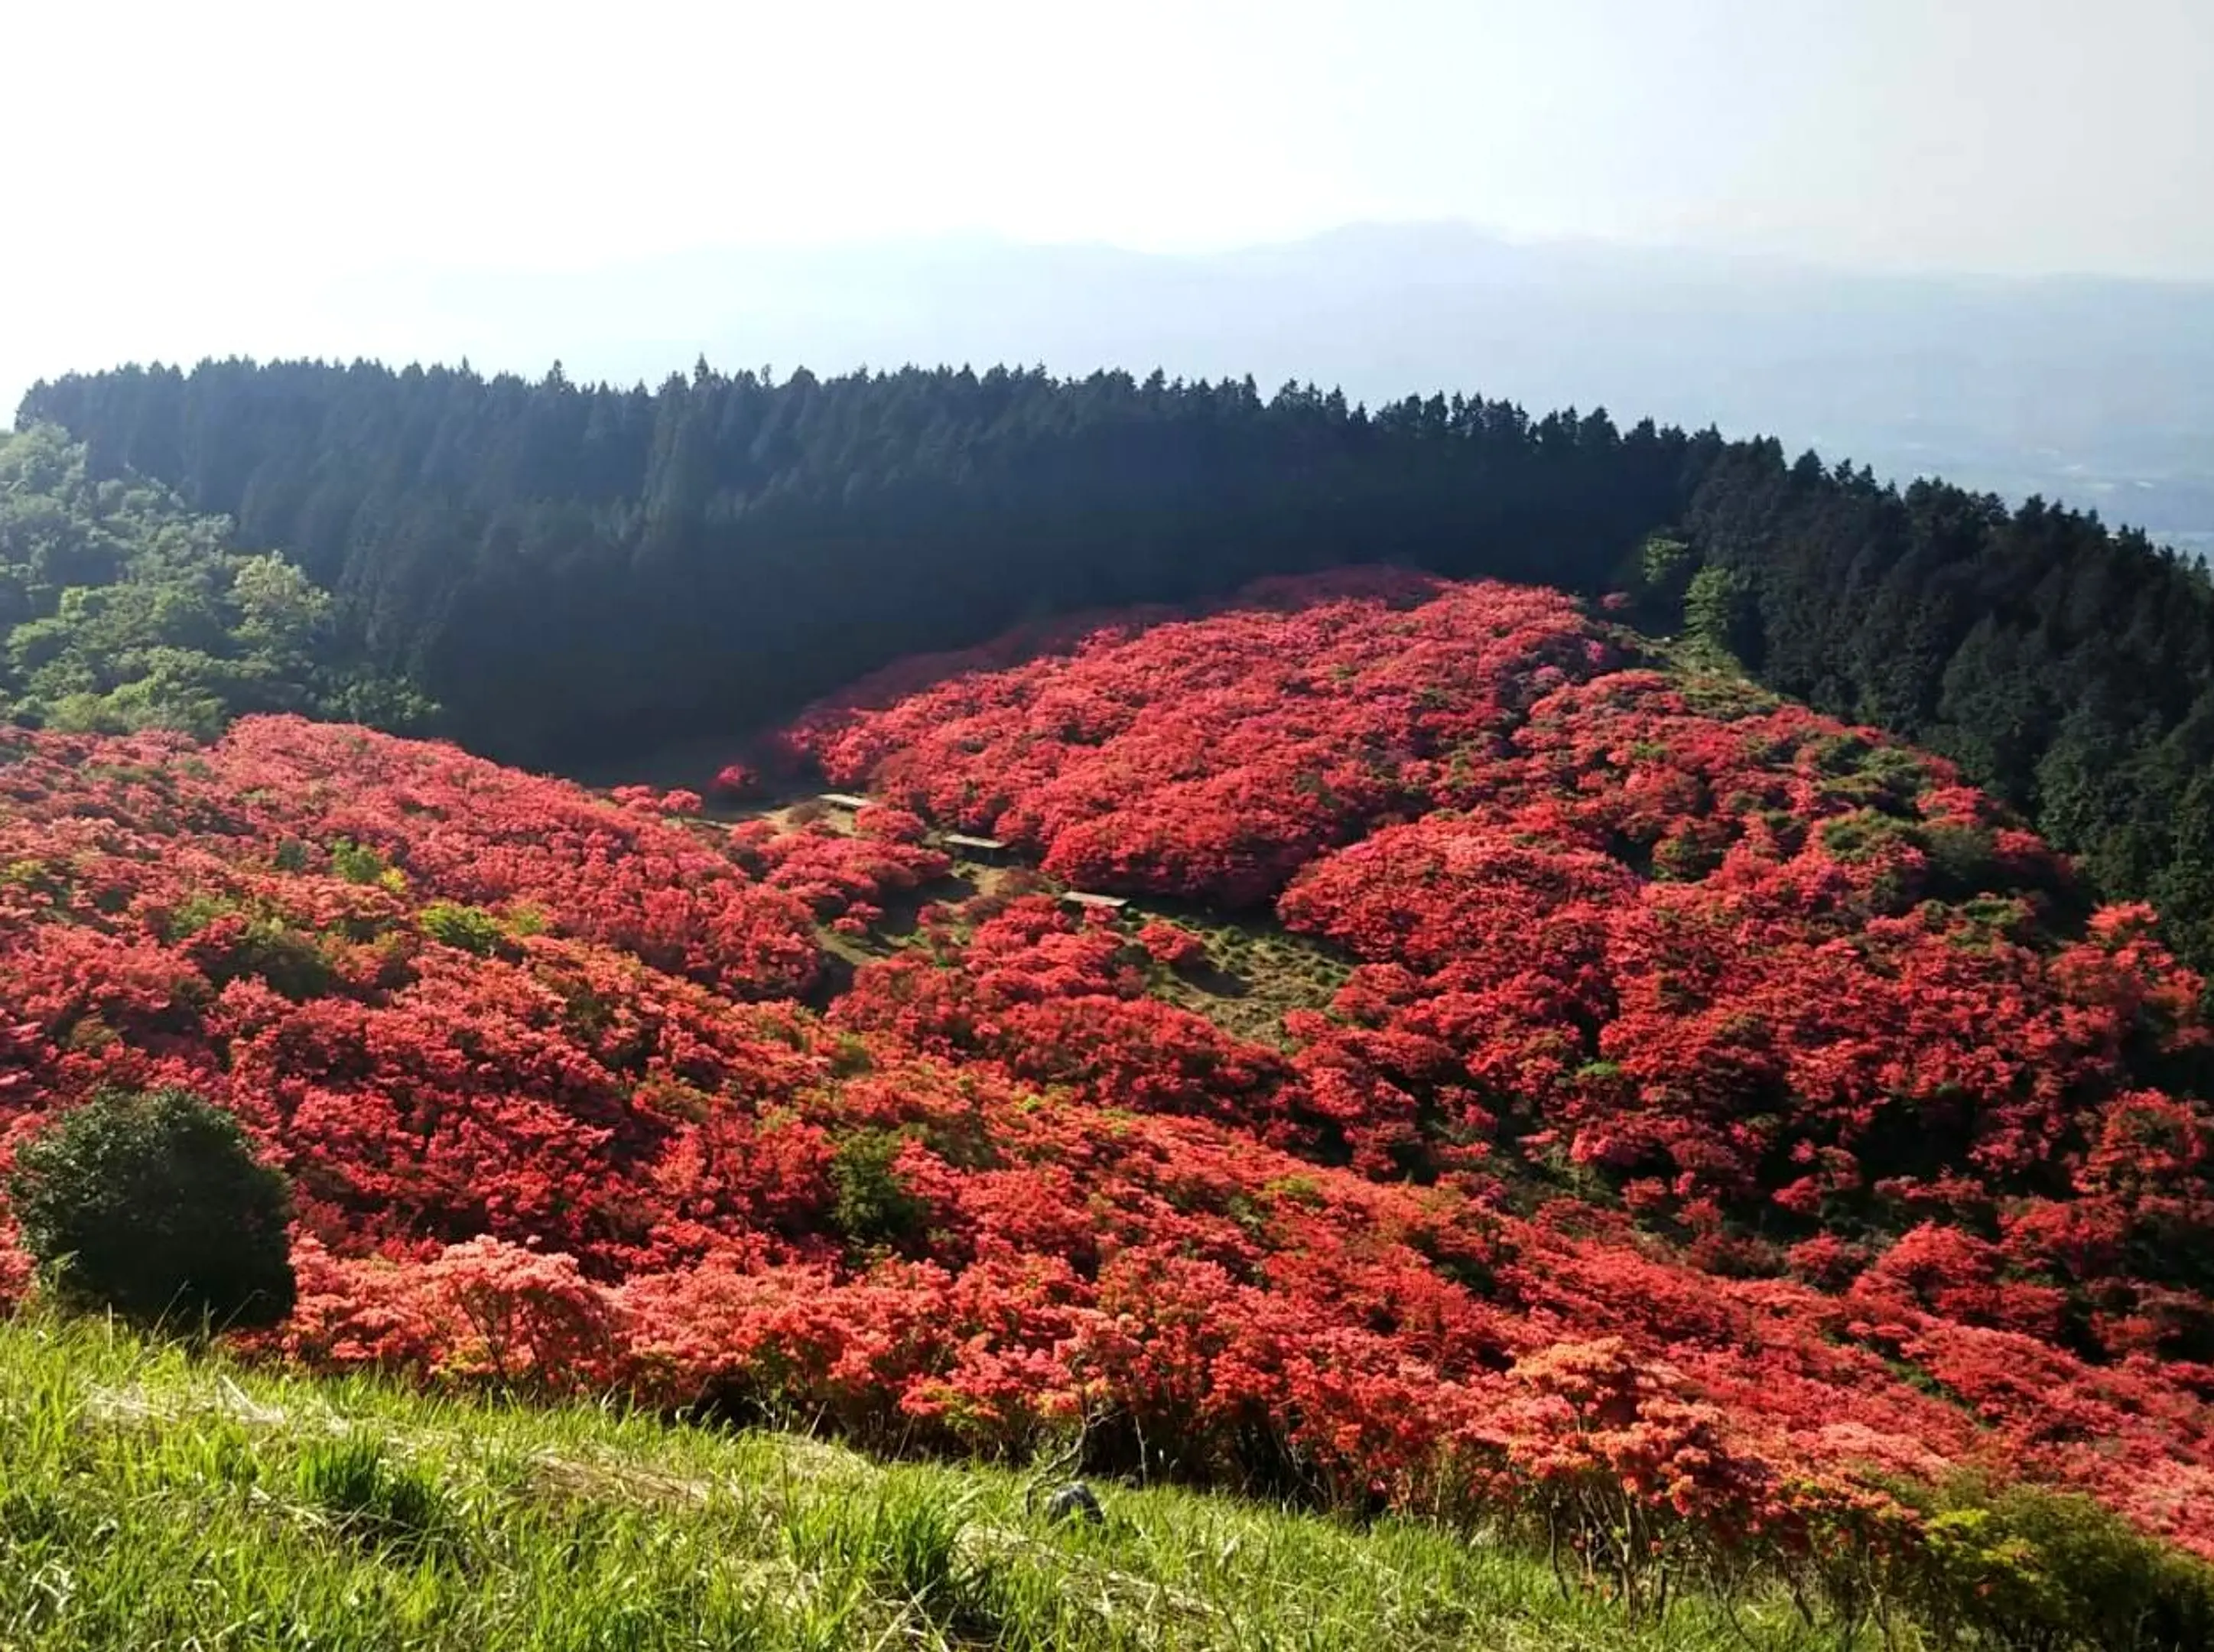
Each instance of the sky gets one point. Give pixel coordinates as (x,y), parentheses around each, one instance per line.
(194,179)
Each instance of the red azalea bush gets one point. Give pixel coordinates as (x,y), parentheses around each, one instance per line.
(1729,1116)
(1212,757)
(734,783)
(1172,946)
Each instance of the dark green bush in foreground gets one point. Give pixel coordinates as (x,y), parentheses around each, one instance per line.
(152,1204)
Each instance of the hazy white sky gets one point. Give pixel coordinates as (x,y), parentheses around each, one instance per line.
(181,173)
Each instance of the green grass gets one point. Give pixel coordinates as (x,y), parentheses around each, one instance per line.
(1257,970)
(151,1499)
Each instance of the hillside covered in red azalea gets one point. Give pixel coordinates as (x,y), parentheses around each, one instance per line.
(1722,1105)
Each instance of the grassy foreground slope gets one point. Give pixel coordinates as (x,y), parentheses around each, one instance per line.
(150,1500)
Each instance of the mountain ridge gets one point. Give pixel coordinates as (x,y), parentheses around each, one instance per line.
(2087,386)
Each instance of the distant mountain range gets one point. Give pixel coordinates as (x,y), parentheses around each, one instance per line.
(2097,391)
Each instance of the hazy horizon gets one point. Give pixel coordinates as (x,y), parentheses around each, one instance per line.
(247,177)
(2094,391)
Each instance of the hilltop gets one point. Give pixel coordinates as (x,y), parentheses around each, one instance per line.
(2094,389)
(574,574)
(1538,1081)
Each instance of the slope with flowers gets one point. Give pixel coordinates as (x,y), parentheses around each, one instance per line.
(1724,989)
(1729,1124)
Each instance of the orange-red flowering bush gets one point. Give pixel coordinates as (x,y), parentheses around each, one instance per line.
(1728,1114)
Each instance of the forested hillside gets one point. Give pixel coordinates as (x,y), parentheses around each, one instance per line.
(573,572)
(566,568)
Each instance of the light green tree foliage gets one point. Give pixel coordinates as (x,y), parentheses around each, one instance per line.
(1666,563)
(1716,605)
(121,610)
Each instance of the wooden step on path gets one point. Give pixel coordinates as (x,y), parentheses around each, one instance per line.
(992,848)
